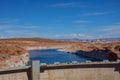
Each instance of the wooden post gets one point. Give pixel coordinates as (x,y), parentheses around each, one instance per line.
(36,70)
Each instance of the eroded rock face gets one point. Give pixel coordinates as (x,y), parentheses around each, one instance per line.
(112,48)
(117,48)
(12,55)
(17,61)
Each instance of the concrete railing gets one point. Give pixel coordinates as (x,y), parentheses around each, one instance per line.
(86,71)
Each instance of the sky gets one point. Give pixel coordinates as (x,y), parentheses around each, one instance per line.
(60,19)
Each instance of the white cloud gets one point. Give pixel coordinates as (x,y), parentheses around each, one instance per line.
(9,20)
(67,4)
(4,27)
(80,21)
(95,13)
(8,31)
(112,28)
(81,36)
(19,26)
(111,31)
(21,33)
(58,21)
(118,23)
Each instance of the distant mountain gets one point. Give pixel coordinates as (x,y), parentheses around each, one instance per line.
(88,40)
(72,39)
(111,39)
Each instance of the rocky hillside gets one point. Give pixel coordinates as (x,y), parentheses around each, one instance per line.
(113,48)
(31,42)
(13,52)
(7,50)
(12,55)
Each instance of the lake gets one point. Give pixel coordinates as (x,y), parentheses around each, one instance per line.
(50,56)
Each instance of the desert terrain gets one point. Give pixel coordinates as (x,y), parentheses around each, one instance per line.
(13,52)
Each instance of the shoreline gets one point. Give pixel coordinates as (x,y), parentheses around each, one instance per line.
(23,59)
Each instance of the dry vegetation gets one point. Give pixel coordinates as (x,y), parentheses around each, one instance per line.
(8,50)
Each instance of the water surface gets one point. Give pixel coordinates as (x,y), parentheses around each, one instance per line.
(50,56)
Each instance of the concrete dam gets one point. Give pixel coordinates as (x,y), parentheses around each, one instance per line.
(72,71)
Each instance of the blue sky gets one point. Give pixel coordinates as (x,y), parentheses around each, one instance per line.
(60,18)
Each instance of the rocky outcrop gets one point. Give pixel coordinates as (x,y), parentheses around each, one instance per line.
(15,61)
(12,55)
(112,48)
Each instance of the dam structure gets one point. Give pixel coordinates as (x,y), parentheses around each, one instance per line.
(73,71)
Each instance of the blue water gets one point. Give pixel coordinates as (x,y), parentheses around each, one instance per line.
(50,56)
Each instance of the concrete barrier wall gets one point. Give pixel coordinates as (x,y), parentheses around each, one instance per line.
(67,72)
(16,76)
(81,74)
(90,71)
